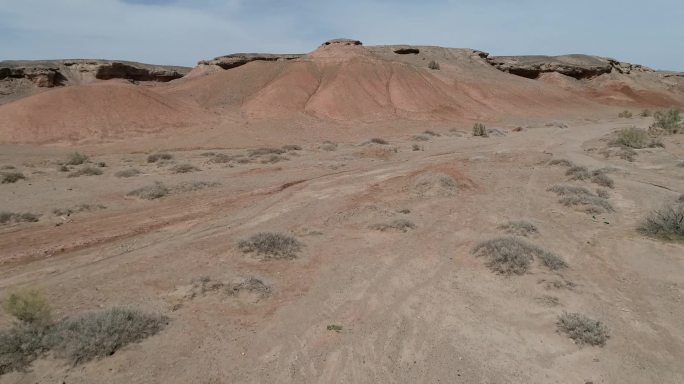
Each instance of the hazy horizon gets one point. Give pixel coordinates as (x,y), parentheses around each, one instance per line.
(182,32)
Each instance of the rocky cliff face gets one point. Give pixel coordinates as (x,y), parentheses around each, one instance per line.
(239,59)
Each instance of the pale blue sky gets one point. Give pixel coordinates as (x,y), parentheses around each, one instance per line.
(184,31)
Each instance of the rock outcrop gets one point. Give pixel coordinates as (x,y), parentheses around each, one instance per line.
(576,66)
(342,42)
(239,59)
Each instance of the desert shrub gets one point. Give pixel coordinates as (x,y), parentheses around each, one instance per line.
(266,151)
(251,285)
(669,121)
(435,185)
(153,158)
(130,172)
(645,113)
(86,171)
(11,217)
(292,147)
(273,159)
(328,146)
(377,140)
(625,114)
(76,158)
(63,168)
(99,334)
(582,329)
(334,327)
(479,129)
(561,162)
(602,179)
(416,147)
(77,209)
(192,186)
(433,65)
(406,211)
(518,228)
(20,345)
(11,177)
(184,168)
(421,138)
(632,138)
(402,225)
(271,245)
(578,173)
(602,193)
(28,306)
(511,255)
(572,196)
(150,192)
(431,133)
(666,222)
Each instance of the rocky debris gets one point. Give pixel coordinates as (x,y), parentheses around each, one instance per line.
(576,66)
(44,77)
(406,51)
(342,42)
(239,59)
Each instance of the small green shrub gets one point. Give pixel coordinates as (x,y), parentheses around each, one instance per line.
(582,329)
(130,172)
(402,225)
(625,114)
(271,245)
(479,129)
(518,228)
(99,334)
(632,138)
(433,65)
(511,255)
(86,171)
(666,222)
(11,217)
(153,158)
(11,177)
(184,168)
(151,192)
(76,158)
(28,306)
(669,121)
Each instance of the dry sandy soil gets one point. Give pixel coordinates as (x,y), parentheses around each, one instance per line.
(413,307)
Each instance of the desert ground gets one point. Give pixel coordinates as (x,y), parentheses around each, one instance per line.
(387,284)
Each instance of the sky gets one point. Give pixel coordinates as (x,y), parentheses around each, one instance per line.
(182,32)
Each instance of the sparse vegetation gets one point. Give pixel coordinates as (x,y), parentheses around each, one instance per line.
(420,138)
(518,228)
(151,192)
(266,151)
(377,140)
(334,327)
(328,146)
(155,157)
(625,114)
(11,217)
(28,306)
(86,171)
(602,179)
(271,245)
(479,129)
(433,65)
(669,121)
(11,177)
(431,133)
(402,225)
(416,147)
(582,329)
(77,209)
(20,345)
(273,159)
(579,196)
(76,158)
(251,285)
(192,186)
(562,162)
(292,147)
(8,167)
(633,138)
(435,185)
(184,168)
(130,172)
(99,334)
(645,113)
(602,193)
(666,222)
(578,173)
(511,255)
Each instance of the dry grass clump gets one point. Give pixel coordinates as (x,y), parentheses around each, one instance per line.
(77,209)
(602,193)
(273,159)
(328,146)
(635,138)
(153,158)
(479,129)
(292,147)
(8,167)
(99,334)
(669,121)
(130,172)
(377,140)
(28,306)
(251,285)
(666,222)
(11,177)
(402,225)
(431,133)
(192,186)
(600,178)
(184,168)
(511,255)
(271,245)
(518,228)
(625,114)
(266,151)
(561,162)
(11,217)
(76,158)
(150,192)
(578,173)
(421,138)
(435,185)
(645,113)
(572,196)
(433,65)
(582,329)
(86,171)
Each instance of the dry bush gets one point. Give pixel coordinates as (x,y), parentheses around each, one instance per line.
(561,162)
(292,147)
(377,140)
(192,186)
(20,345)
(99,334)
(602,179)
(271,245)
(433,65)
(633,138)
(420,138)
(184,168)
(435,185)
(130,172)
(416,147)
(582,329)
(518,228)
(511,255)
(76,158)
(266,151)
(28,306)
(666,222)
(431,133)
(11,177)
(11,217)
(669,121)
(479,129)
(77,209)
(602,193)
(578,173)
(625,114)
(402,225)
(86,171)
(251,285)
(150,192)
(572,196)
(273,159)
(645,113)
(153,158)
(221,158)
